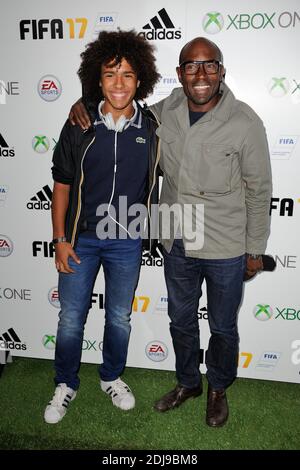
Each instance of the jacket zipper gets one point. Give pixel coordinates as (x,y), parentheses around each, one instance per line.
(79,195)
(153,181)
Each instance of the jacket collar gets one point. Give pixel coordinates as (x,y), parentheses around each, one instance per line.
(222,111)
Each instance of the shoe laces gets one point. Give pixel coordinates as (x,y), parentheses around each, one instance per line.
(59,395)
(120,387)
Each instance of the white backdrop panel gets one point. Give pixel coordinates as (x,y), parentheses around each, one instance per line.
(259,40)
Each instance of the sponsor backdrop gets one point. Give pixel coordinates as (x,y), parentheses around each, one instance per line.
(40,47)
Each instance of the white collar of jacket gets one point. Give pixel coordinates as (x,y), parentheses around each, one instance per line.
(135,120)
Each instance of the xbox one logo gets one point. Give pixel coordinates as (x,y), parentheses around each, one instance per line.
(40,144)
(278,87)
(213,22)
(49,341)
(262,312)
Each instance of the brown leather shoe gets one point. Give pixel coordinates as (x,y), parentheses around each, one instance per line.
(176,397)
(217,407)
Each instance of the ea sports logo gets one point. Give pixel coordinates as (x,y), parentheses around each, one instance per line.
(278,87)
(157,351)
(40,144)
(262,312)
(49,341)
(49,88)
(6,246)
(53,297)
(213,22)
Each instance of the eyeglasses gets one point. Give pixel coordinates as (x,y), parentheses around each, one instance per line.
(191,67)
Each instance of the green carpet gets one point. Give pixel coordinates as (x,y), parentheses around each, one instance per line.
(263,414)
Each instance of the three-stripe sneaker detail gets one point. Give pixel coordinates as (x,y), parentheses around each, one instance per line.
(120,393)
(57,407)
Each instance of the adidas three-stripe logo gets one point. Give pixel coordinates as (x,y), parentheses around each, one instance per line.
(5,150)
(113,393)
(41,200)
(160,27)
(156,24)
(3,142)
(67,401)
(10,335)
(10,340)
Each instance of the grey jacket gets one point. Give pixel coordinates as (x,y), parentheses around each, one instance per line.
(221,164)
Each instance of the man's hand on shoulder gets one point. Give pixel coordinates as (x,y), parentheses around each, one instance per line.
(78,115)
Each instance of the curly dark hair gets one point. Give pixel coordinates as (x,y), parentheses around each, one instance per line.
(116,45)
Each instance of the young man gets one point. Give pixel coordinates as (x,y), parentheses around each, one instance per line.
(214,152)
(114,158)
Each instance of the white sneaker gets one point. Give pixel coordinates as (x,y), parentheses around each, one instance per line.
(58,406)
(120,393)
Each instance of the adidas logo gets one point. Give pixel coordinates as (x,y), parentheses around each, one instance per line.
(42,199)
(155,259)
(160,27)
(10,340)
(5,151)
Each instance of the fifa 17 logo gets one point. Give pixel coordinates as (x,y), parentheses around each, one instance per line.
(74,28)
(140,303)
(45,248)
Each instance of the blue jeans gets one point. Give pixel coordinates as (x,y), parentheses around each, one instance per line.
(121,260)
(224,281)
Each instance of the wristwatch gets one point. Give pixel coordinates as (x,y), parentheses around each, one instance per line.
(254,256)
(59,240)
